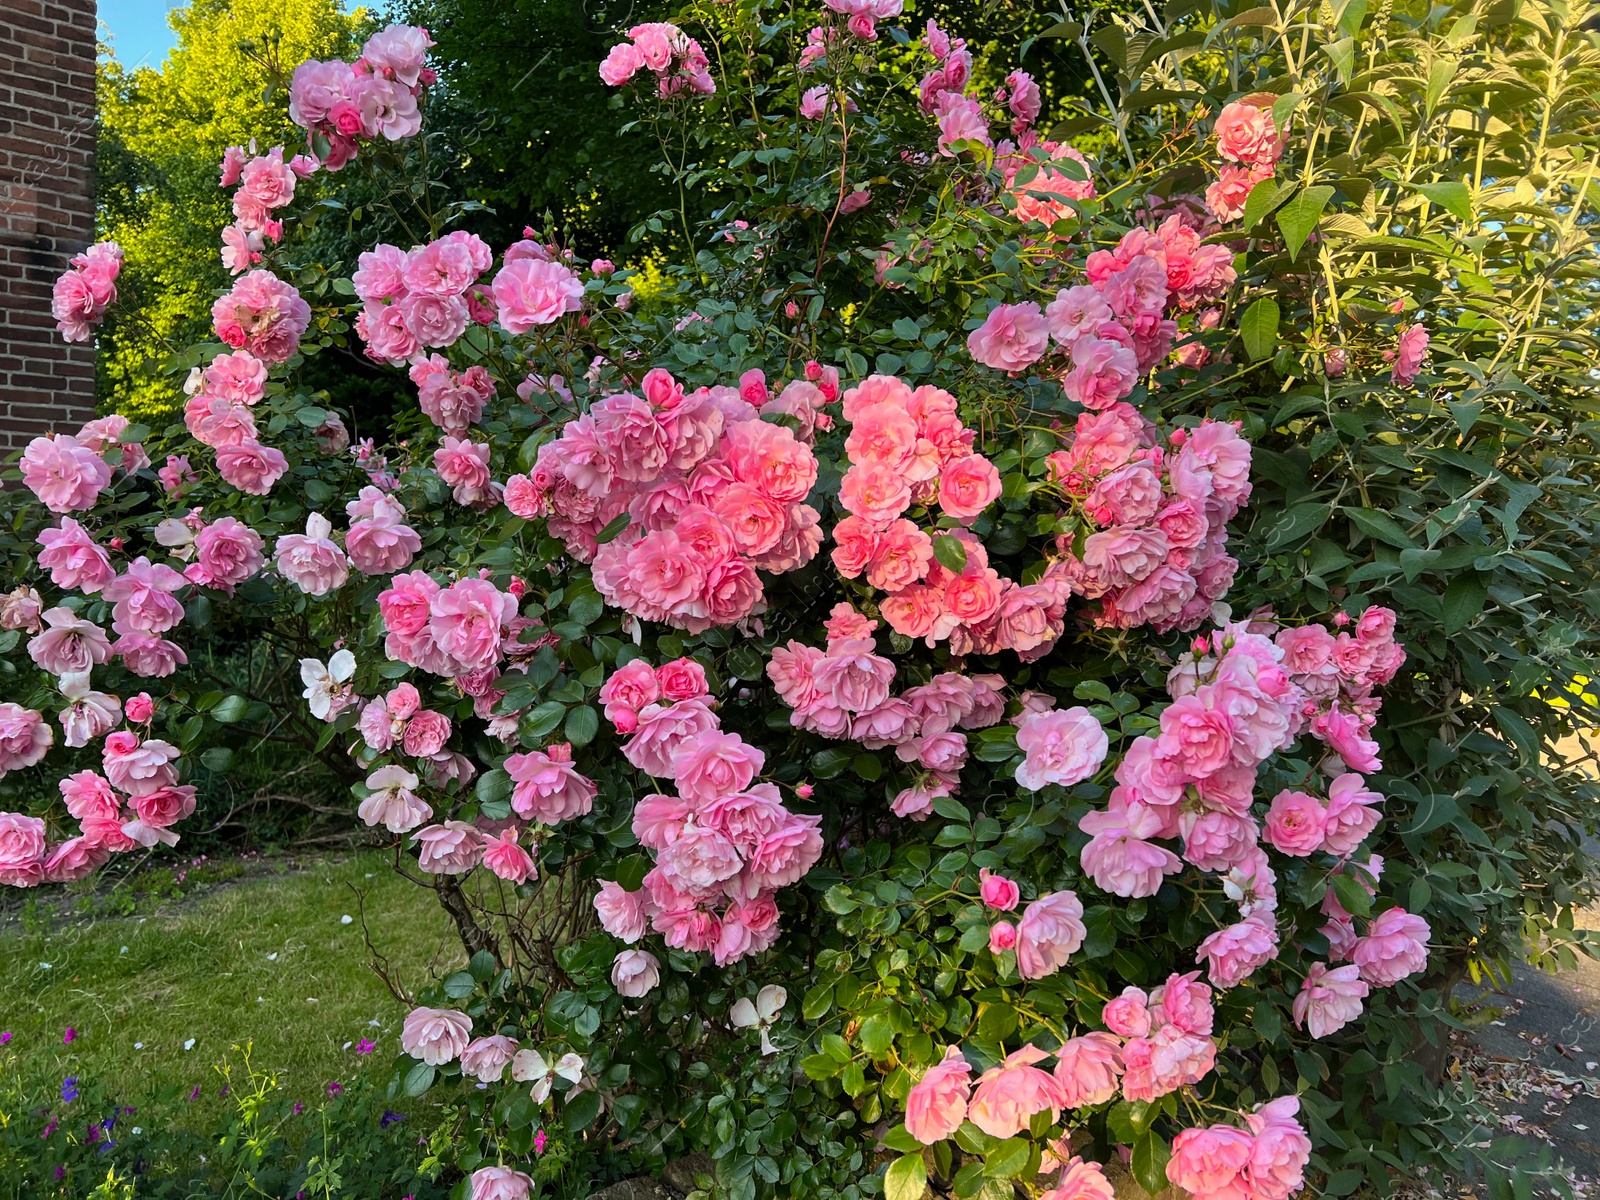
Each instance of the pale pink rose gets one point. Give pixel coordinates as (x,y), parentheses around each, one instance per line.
(143,598)
(251,467)
(464,466)
(1396,945)
(1002,937)
(937,1103)
(382,543)
(547,787)
(312,561)
(815,103)
(148,655)
(69,644)
(1213,1162)
(622,913)
(1346,734)
(1352,814)
(435,1035)
(1246,134)
(1102,373)
(715,764)
(786,854)
(997,892)
(139,768)
(620,64)
(1128,1014)
(1185,1002)
(485,1059)
(680,679)
(227,552)
(874,492)
(73,558)
(1007,1096)
(1062,746)
(851,677)
(392,802)
(500,1183)
(21,608)
(1196,737)
(1076,312)
(89,715)
(1011,338)
(944,753)
(1081,1180)
(961,119)
(1231,955)
(76,858)
(466,621)
(507,860)
(1050,931)
(453,848)
(24,737)
(662,729)
(1088,1069)
(1281,1152)
(635,973)
(698,859)
(22,850)
(65,476)
(1329,1000)
(1295,823)
(426,733)
(967,486)
(529,292)
(1132,495)
(239,378)
(1227,195)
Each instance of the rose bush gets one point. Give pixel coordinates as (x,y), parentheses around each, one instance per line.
(935,766)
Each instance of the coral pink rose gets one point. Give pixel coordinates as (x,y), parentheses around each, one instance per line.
(937,1103)
(1007,1096)
(1246,134)
(1213,1163)
(1295,824)
(967,486)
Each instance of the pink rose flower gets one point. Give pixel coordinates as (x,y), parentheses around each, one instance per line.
(312,561)
(997,892)
(1352,814)
(1011,338)
(622,913)
(1081,1180)
(1088,1069)
(1232,955)
(68,645)
(227,552)
(1329,1000)
(1062,746)
(507,860)
(251,467)
(24,737)
(1295,824)
(680,679)
(1213,1162)
(426,733)
(1050,931)
(937,1103)
(635,973)
(1396,945)
(713,765)
(435,1035)
(1126,865)
(1102,373)
(262,314)
(485,1059)
(786,854)
(529,292)
(65,476)
(500,1183)
(464,466)
(1007,1096)
(1002,937)
(967,486)
(662,729)
(1128,1014)
(874,492)
(22,850)
(466,621)
(139,768)
(73,558)
(392,802)
(1281,1152)
(547,787)
(852,678)
(453,848)
(1246,134)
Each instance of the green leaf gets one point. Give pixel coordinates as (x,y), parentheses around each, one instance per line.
(1297,522)
(1462,601)
(419,1079)
(582,725)
(218,759)
(877,1034)
(582,1110)
(586,608)
(1350,893)
(1380,526)
(1259,328)
(1262,199)
(231,709)
(1299,217)
(907,330)
(459,985)
(951,553)
(493,786)
(1150,1155)
(614,527)
(482,966)
(817,1002)
(1007,1159)
(899,1138)
(544,718)
(1454,198)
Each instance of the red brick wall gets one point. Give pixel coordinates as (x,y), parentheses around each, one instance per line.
(47,53)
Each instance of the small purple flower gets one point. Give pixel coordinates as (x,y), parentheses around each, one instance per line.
(389,1118)
(61,1171)
(69,1036)
(195,1095)
(92,1134)
(48,1129)
(5,1037)
(224,1092)
(366,1046)
(335,1087)
(69,1089)
(539,1141)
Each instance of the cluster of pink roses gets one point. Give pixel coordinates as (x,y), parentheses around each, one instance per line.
(1156,515)
(85,290)
(67,472)
(264,315)
(1115,327)
(862,16)
(1248,137)
(265,183)
(845,692)
(134,803)
(709,493)
(1266,1160)
(377,95)
(676,59)
(723,845)
(422,298)
(942,94)
(437,1036)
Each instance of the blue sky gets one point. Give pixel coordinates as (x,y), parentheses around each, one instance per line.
(139,29)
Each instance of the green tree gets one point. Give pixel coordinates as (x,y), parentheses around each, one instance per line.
(162,134)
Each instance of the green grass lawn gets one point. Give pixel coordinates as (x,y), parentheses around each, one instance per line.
(274,956)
